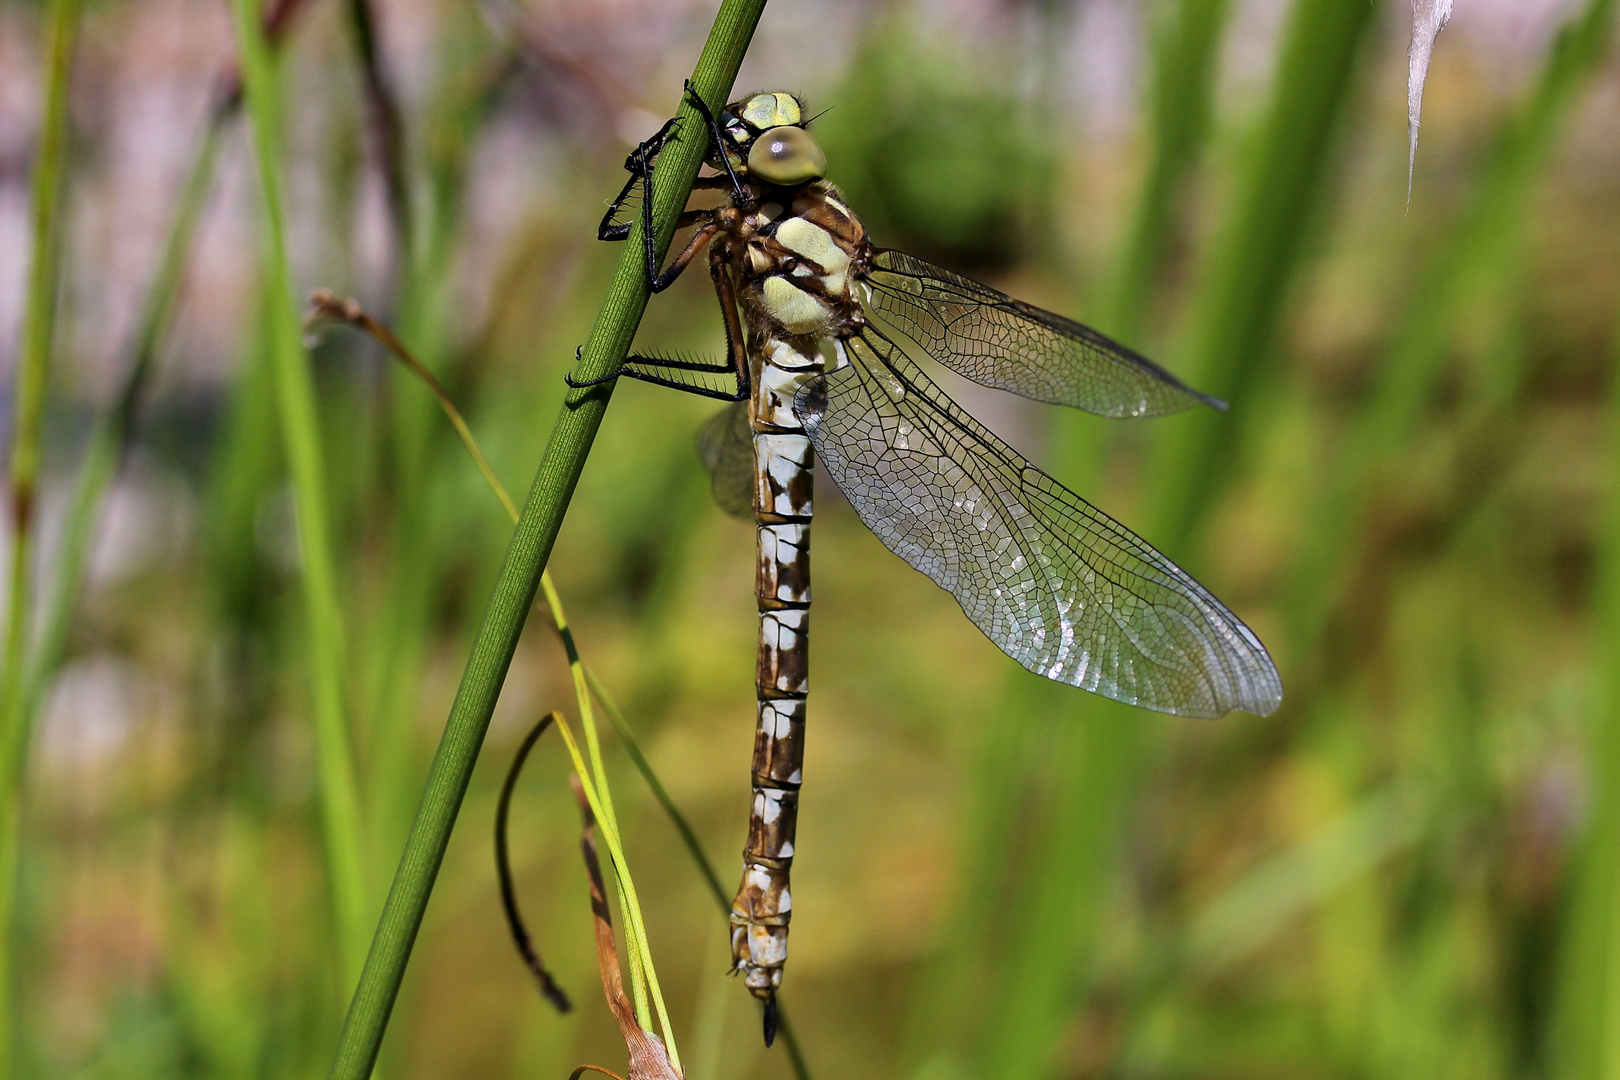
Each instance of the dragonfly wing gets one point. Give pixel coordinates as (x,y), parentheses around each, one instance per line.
(726,445)
(1056,584)
(995,340)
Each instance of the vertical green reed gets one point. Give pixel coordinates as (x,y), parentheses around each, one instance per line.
(526,557)
(1184,56)
(33,370)
(295,400)
(1091,777)
(113,431)
(1245,280)
(391,647)
(1479,257)
(1586,1045)
(111,434)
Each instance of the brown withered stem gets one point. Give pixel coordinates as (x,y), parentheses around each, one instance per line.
(503,871)
(648,1060)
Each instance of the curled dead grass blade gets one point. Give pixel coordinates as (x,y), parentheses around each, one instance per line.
(648,1059)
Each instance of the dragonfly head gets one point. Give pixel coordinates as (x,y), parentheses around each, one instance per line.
(765,138)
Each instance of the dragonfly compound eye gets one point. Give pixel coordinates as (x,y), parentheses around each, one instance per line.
(787,156)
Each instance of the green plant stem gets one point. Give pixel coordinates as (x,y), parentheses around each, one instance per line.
(33,370)
(110,438)
(295,398)
(1587,1021)
(526,557)
(1247,277)
(1183,78)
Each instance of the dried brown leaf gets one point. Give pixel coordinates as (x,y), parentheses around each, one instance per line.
(648,1059)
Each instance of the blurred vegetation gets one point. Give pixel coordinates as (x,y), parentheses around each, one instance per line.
(1411,870)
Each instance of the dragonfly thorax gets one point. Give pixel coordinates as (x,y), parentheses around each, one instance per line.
(796,271)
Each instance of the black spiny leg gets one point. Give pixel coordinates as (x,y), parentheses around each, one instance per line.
(717,140)
(736,362)
(632,370)
(635,163)
(639,166)
(663,280)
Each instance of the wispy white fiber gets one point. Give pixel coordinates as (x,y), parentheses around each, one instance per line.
(1429,17)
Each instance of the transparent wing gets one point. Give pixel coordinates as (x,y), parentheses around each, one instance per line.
(989,337)
(726,445)
(1057,585)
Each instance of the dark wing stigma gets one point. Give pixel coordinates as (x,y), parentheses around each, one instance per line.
(1056,584)
(997,341)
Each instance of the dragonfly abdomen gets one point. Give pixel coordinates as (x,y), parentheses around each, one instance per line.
(783,482)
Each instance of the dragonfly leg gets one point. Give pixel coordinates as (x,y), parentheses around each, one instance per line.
(736,361)
(611,229)
(658,279)
(667,382)
(717,141)
(616,230)
(661,281)
(636,165)
(633,365)
(726,291)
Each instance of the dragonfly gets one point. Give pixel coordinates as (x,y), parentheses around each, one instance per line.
(826,339)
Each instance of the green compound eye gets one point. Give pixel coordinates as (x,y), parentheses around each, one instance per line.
(787,156)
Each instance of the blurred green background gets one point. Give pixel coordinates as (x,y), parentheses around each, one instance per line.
(1411,870)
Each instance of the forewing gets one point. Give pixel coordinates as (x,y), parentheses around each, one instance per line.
(989,337)
(1056,584)
(726,445)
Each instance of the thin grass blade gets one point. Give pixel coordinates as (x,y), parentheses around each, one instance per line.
(28,396)
(295,398)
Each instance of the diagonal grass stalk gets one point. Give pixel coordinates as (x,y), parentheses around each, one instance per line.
(295,398)
(643,980)
(33,370)
(526,558)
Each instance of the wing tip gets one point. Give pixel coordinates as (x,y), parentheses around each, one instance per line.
(1263,705)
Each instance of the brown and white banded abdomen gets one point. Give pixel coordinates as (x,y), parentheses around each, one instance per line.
(783,462)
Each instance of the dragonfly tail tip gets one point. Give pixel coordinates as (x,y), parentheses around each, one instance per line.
(770,1021)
